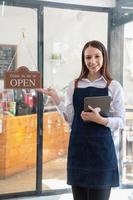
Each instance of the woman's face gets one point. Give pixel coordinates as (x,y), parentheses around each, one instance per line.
(93,59)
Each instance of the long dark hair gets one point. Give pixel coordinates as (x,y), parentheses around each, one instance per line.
(105,68)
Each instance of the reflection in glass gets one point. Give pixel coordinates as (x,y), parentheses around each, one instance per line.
(18,127)
(127,157)
(64,38)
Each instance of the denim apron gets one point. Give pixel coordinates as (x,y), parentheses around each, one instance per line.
(92,161)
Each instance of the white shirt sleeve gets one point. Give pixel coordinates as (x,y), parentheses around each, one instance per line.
(117,120)
(66,109)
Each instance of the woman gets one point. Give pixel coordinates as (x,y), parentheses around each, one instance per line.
(92,167)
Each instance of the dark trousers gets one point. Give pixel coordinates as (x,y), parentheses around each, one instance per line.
(80,193)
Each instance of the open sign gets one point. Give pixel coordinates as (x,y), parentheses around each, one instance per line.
(22,78)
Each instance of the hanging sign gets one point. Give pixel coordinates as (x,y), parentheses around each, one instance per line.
(22,77)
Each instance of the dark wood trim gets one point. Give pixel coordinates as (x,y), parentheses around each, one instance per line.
(39,104)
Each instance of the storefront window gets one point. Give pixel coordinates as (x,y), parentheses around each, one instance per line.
(64,38)
(18,47)
(127,158)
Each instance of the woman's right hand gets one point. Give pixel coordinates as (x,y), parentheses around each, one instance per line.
(50,92)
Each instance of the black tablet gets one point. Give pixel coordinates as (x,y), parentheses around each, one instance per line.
(100,103)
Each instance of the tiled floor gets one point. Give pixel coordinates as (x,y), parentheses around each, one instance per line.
(116,194)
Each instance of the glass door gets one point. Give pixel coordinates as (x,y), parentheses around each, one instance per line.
(18,119)
(127,136)
(65,33)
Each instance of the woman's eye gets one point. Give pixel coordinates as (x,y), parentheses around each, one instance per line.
(87,58)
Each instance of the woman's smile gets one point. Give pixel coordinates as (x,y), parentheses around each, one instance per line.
(94,61)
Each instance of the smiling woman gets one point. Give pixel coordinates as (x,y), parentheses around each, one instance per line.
(92,168)
(94,61)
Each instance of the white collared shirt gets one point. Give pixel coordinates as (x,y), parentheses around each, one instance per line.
(115,91)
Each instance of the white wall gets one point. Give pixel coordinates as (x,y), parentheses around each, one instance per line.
(102,3)
(128,63)
(128,30)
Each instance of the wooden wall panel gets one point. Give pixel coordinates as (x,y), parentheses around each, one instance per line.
(18,141)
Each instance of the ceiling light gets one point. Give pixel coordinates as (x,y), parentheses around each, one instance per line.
(127,7)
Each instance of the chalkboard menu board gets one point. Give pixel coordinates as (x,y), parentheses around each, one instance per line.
(7,58)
